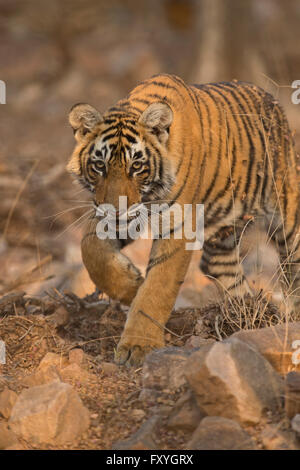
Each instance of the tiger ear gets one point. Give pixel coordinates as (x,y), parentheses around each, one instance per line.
(158,117)
(84,118)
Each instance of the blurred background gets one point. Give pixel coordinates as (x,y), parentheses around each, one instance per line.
(54,54)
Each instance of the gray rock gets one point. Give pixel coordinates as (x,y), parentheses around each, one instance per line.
(164,368)
(292,394)
(186,414)
(273,438)
(143,439)
(296,424)
(231,379)
(217,433)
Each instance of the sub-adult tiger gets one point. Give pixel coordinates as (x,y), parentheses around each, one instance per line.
(225,145)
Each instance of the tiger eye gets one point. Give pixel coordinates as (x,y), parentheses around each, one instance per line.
(100,165)
(136,165)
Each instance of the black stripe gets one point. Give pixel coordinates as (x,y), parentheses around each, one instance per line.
(139,110)
(187,88)
(181,159)
(153,160)
(80,161)
(130,138)
(110,128)
(140,100)
(214,250)
(110,121)
(160,259)
(224,274)
(220,148)
(185,180)
(289,235)
(233,114)
(237,94)
(115,108)
(109,136)
(151,82)
(251,156)
(200,115)
(230,177)
(130,129)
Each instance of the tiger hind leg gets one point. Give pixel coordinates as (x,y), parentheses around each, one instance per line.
(221,262)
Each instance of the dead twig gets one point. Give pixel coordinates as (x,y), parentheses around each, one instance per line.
(159,324)
(28,277)
(16,200)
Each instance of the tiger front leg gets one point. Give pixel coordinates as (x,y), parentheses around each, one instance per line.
(150,310)
(110,270)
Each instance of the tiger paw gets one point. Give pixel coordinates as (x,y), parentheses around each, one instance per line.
(132,351)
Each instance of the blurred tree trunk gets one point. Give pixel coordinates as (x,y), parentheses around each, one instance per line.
(210,22)
(228,41)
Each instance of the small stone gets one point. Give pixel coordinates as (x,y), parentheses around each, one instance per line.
(109,368)
(60,317)
(197,342)
(186,414)
(143,439)
(52,359)
(149,397)
(7,400)
(217,433)
(231,379)
(7,437)
(138,415)
(292,394)
(76,356)
(110,396)
(51,413)
(15,446)
(275,439)
(296,424)
(42,376)
(75,372)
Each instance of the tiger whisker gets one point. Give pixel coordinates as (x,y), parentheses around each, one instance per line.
(75,222)
(60,214)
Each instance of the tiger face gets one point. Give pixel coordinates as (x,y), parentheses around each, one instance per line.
(122,154)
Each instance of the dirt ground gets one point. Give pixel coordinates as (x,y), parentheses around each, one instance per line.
(32,326)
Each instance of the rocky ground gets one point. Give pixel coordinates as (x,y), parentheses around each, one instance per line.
(213,386)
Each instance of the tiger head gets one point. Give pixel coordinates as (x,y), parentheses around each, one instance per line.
(122,154)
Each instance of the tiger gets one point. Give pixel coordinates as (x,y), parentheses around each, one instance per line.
(225,145)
